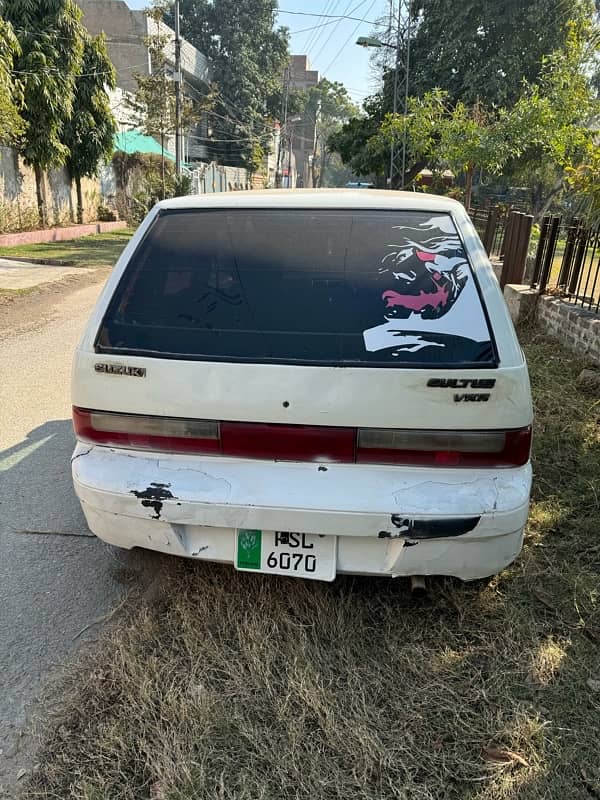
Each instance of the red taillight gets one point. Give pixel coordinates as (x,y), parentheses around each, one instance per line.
(288,442)
(168,434)
(444,448)
(276,442)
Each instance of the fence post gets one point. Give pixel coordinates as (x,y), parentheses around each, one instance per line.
(549,254)
(510,243)
(565,267)
(541,249)
(490,230)
(516,248)
(582,240)
(517,269)
(507,248)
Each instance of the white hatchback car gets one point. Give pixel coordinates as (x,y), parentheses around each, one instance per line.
(306,383)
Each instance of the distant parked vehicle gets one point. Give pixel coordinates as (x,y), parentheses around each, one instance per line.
(359,185)
(306,383)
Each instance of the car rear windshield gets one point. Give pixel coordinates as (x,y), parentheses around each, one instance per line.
(323,287)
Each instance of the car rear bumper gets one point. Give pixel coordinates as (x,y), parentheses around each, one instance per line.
(389,520)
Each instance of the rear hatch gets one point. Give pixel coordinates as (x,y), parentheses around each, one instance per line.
(306,334)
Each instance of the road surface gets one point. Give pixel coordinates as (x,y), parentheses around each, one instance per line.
(55,577)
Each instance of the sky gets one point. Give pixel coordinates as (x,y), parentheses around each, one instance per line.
(330,43)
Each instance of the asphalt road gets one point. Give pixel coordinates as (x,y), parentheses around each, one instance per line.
(56,579)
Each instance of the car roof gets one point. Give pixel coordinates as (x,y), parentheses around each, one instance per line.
(316,198)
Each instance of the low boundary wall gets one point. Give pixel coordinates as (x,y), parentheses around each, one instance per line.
(59,234)
(575,327)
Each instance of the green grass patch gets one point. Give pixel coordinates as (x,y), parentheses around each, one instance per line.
(243,687)
(89,251)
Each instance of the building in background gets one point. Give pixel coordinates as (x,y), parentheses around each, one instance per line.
(301,134)
(126,35)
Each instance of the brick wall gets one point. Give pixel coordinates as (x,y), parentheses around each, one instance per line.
(576,328)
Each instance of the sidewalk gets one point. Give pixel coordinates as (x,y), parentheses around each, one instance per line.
(16,276)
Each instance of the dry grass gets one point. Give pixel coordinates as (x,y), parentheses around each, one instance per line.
(236,686)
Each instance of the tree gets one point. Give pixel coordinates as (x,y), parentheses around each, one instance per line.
(154,100)
(51,38)
(356,144)
(584,182)
(11,123)
(155,97)
(551,128)
(89,134)
(329,104)
(324,108)
(483,50)
(248,57)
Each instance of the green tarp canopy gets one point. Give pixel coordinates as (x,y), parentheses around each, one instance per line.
(138,142)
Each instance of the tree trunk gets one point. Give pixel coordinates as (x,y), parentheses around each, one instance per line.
(538,213)
(410,175)
(79,199)
(39,191)
(469,186)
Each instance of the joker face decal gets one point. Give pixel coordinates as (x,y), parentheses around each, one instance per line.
(428,296)
(426,276)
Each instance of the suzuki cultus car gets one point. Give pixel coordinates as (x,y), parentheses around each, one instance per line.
(306,383)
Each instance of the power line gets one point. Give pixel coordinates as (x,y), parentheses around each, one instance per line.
(327,16)
(338,54)
(333,30)
(317,30)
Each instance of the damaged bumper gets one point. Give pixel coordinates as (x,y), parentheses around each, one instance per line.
(389,520)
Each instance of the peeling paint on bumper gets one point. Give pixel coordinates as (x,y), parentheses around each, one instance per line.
(204,500)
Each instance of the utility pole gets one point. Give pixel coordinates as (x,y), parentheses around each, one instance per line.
(283,125)
(177,79)
(401,79)
(401,86)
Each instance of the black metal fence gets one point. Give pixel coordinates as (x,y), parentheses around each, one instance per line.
(567,262)
(490,224)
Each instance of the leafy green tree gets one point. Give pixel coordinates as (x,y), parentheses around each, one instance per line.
(356,144)
(584,181)
(329,105)
(323,108)
(483,50)
(11,123)
(553,125)
(51,39)
(548,129)
(248,56)
(483,62)
(89,134)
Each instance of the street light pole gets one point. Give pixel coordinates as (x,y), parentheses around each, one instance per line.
(177,79)
(401,82)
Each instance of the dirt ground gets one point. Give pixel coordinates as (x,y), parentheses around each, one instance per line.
(240,687)
(21,312)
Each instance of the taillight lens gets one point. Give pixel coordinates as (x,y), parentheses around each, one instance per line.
(170,434)
(288,442)
(304,442)
(444,448)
